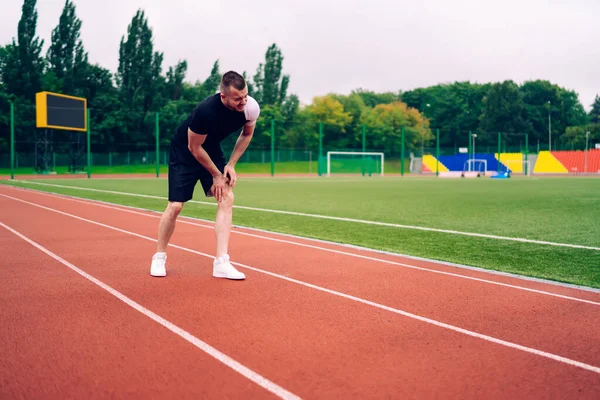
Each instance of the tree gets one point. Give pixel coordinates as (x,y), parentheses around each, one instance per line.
(67,59)
(262,132)
(21,75)
(355,106)
(372,99)
(3,58)
(211,84)
(453,108)
(5,99)
(595,111)
(571,112)
(289,113)
(503,111)
(138,74)
(22,66)
(550,106)
(574,137)
(330,112)
(384,127)
(174,84)
(269,87)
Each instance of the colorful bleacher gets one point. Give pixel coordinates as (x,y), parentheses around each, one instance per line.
(430,162)
(574,161)
(458,162)
(548,164)
(557,162)
(512,161)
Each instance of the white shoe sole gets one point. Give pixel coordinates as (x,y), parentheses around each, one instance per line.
(237,278)
(158,274)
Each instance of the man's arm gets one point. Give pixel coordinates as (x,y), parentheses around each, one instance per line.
(241,144)
(195,142)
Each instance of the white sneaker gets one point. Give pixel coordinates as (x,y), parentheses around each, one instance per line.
(158,267)
(222,268)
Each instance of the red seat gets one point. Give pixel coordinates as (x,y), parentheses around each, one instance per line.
(574,161)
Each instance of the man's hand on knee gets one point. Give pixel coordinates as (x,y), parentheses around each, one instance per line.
(230,174)
(218,187)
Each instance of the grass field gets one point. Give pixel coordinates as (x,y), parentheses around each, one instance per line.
(288,167)
(561,210)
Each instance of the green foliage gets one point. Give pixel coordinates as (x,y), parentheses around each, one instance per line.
(138,76)
(330,112)
(372,99)
(594,115)
(453,108)
(545,101)
(384,126)
(67,59)
(22,65)
(211,84)
(504,111)
(575,137)
(269,87)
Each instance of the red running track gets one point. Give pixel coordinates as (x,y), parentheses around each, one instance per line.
(311,320)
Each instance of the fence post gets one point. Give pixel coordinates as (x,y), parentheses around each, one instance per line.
(364,148)
(320,163)
(526,153)
(89,150)
(402,154)
(12,140)
(499,150)
(272,147)
(157,147)
(437,151)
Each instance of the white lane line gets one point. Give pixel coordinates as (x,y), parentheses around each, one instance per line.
(422,228)
(228,361)
(91,202)
(491,339)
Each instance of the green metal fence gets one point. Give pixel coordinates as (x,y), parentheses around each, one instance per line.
(123,142)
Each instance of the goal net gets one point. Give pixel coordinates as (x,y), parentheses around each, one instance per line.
(354,162)
(475,165)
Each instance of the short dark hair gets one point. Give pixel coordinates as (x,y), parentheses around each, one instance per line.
(232,78)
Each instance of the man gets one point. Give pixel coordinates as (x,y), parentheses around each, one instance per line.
(196,155)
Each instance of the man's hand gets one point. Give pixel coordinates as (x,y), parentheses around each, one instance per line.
(218,187)
(230,170)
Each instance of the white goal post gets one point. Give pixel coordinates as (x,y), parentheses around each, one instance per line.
(525,166)
(353,153)
(468,168)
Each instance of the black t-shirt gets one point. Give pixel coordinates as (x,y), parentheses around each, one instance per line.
(212,118)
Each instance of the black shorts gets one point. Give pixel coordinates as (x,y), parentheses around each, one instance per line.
(185,172)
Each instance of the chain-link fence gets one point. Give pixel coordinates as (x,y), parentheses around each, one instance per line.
(138,142)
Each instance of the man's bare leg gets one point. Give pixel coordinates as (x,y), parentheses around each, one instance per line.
(223,222)
(222,268)
(166,227)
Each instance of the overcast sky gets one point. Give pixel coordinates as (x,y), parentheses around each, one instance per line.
(337,46)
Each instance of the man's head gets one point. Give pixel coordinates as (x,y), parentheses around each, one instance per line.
(234,91)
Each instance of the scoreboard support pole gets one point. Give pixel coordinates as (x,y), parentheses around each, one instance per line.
(89,152)
(63,112)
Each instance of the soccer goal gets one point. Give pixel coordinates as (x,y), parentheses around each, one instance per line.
(355,162)
(518,167)
(475,165)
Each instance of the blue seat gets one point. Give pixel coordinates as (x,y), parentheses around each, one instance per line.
(457,162)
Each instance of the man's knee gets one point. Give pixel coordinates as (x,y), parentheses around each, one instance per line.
(174,208)
(227,198)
